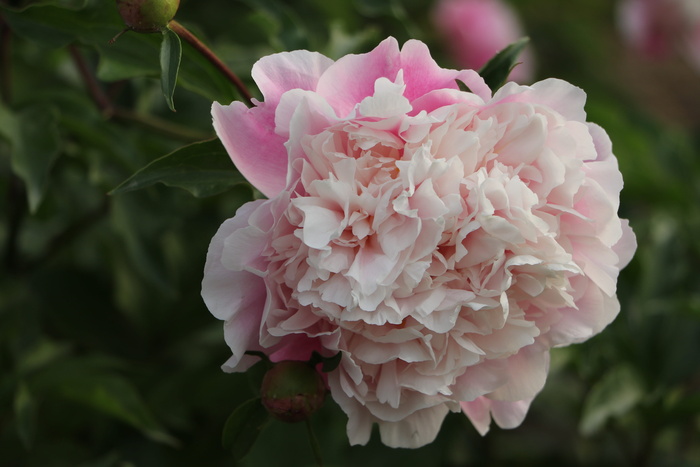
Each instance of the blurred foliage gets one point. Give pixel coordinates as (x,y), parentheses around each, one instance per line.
(108,356)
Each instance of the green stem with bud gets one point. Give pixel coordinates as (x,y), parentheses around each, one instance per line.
(206,52)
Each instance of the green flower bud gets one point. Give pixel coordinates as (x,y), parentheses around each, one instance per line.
(147,15)
(292,391)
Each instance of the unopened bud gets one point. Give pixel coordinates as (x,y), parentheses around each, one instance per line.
(147,15)
(292,391)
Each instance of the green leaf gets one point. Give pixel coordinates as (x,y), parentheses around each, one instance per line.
(134,223)
(243,427)
(35,142)
(613,396)
(496,71)
(25,414)
(94,383)
(329,363)
(40,354)
(52,25)
(116,396)
(170,55)
(203,169)
(131,56)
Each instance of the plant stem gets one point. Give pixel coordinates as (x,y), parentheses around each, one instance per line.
(163,127)
(206,52)
(315,447)
(98,95)
(104,103)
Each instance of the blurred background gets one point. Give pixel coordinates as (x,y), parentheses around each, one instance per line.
(108,357)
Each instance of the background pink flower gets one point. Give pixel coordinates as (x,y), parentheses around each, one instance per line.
(660,28)
(443,241)
(475,30)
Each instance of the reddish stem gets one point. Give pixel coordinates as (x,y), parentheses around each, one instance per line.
(206,52)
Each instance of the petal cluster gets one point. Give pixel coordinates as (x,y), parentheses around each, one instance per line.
(442,240)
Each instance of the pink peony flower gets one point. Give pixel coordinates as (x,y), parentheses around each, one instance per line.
(443,241)
(475,30)
(660,28)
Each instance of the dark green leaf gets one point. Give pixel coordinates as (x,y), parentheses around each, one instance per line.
(463,87)
(131,222)
(496,71)
(203,169)
(116,396)
(243,427)
(25,414)
(51,25)
(170,54)
(42,353)
(329,363)
(130,56)
(93,383)
(614,395)
(35,145)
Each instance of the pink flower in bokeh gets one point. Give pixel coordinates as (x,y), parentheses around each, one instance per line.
(475,30)
(660,28)
(442,241)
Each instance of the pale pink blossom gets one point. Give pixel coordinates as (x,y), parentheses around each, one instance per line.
(442,241)
(475,30)
(659,29)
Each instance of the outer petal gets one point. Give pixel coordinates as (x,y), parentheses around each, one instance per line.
(594,311)
(343,87)
(223,290)
(227,292)
(557,94)
(416,430)
(279,73)
(422,74)
(506,414)
(249,137)
(351,78)
(527,373)
(479,413)
(626,246)
(509,414)
(480,379)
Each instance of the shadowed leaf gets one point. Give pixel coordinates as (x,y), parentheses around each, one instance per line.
(496,71)
(170,55)
(243,427)
(203,169)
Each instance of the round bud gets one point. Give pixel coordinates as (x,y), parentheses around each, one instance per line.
(292,391)
(147,15)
